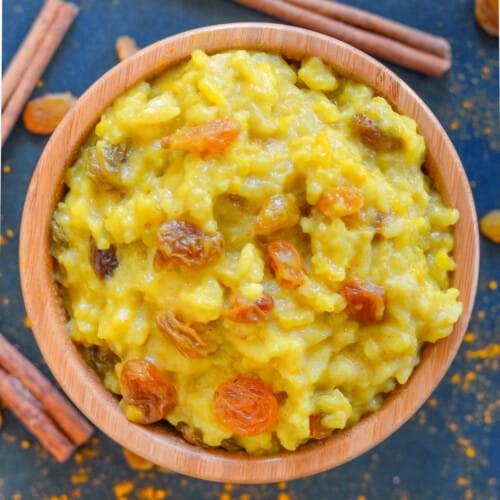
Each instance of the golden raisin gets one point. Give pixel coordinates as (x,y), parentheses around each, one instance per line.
(108,164)
(486,12)
(341,201)
(125,47)
(243,310)
(144,386)
(103,262)
(365,300)
(372,136)
(246,405)
(286,262)
(101,358)
(316,428)
(181,242)
(186,339)
(190,435)
(278,212)
(490,225)
(211,137)
(135,461)
(43,114)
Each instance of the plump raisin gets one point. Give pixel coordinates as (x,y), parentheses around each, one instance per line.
(43,114)
(144,386)
(372,136)
(185,338)
(125,47)
(180,242)
(278,212)
(316,428)
(365,300)
(101,358)
(108,164)
(486,13)
(103,262)
(243,310)
(286,263)
(211,137)
(341,201)
(490,225)
(246,405)
(190,435)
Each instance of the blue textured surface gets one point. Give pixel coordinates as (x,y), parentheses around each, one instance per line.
(451,448)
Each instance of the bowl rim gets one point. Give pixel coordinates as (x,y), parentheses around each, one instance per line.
(44,307)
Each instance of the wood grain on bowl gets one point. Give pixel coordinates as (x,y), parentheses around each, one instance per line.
(157,443)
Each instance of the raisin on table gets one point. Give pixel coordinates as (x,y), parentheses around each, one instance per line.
(144,386)
(43,114)
(183,243)
(246,405)
(286,263)
(185,338)
(243,310)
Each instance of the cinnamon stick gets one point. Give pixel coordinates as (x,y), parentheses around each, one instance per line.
(29,48)
(51,40)
(25,407)
(378,24)
(391,50)
(55,405)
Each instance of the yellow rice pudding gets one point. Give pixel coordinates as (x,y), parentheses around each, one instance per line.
(249,249)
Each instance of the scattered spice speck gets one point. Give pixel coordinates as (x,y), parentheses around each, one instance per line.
(492,285)
(467,104)
(82,476)
(225,496)
(5,301)
(463,481)
(454,125)
(490,351)
(9,233)
(488,412)
(122,489)
(486,71)
(27,322)
(433,402)
(470,452)
(3,241)
(228,487)
(25,444)
(282,485)
(481,314)
(6,169)
(283,496)
(453,427)
(469,337)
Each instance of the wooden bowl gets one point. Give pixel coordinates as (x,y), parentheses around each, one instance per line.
(157,443)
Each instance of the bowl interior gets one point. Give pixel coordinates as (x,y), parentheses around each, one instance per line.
(47,315)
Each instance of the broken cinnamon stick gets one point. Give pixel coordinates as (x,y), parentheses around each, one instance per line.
(55,405)
(52,36)
(29,412)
